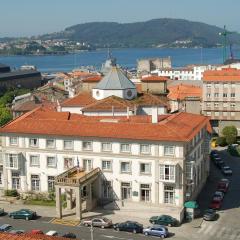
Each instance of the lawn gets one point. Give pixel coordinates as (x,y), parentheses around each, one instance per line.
(49,203)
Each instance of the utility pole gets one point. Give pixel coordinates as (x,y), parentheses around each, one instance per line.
(91,231)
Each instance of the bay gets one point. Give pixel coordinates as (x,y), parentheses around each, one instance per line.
(125,57)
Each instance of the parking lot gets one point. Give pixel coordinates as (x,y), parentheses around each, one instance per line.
(226,227)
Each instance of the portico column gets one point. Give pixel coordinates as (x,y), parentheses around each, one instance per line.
(69,199)
(78,203)
(58,202)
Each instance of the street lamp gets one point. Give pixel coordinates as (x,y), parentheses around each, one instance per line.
(91,231)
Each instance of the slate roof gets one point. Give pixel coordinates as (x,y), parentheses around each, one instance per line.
(115,80)
(18,74)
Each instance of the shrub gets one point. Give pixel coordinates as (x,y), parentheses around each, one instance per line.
(221,141)
(11,193)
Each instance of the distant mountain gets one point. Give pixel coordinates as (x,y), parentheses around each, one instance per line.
(163,32)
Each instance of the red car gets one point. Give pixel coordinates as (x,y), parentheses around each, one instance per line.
(216,204)
(36,231)
(222,187)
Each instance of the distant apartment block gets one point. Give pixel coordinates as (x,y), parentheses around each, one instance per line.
(221,97)
(150,64)
(191,72)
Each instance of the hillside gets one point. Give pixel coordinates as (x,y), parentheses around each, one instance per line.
(154,33)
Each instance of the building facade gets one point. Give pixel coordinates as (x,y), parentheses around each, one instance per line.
(141,160)
(221,98)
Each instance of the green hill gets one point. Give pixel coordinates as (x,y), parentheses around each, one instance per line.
(157,32)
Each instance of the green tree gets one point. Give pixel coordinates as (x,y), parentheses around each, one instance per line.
(230,133)
(5,115)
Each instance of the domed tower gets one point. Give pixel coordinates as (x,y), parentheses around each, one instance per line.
(115,83)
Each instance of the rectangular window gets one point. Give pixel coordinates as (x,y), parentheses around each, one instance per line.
(51,183)
(125,167)
(225,95)
(208,113)
(232,114)
(169,150)
(68,144)
(13,141)
(12,161)
(232,105)
(34,161)
(50,143)
(35,183)
(209,85)
(145,168)
(145,149)
(106,147)
(225,85)
(51,162)
(216,95)
(68,163)
(225,114)
(33,142)
(87,146)
(167,172)
(15,180)
(169,194)
(87,164)
(208,95)
(216,85)
(107,189)
(216,114)
(225,105)
(208,104)
(125,147)
(106,165)
(232,95)
(216,104)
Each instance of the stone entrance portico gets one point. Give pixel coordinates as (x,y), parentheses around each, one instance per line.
(77,184)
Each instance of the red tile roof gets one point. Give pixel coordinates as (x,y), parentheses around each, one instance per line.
(92,79)
(154,78)
(9,236)
(177,127)
(86,101)
(182,91)
(224,75)
(81,100)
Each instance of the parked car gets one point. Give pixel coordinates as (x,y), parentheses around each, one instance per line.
(218,195)
(222,187)
(1,211)
(5,228)
(98,222)
(210,215)
(156,230)
(16,232)
(36,231)
(216,204)
(219,163)
(226,181)
(23,214)
(226,170)
(69,235)
(164,220)
(52,233)
(129,226)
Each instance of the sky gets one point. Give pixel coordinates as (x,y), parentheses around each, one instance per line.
(20,18)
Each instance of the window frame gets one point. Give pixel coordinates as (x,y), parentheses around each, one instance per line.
(54,143)
(171,175)
(106,169)
(68,148)
(145,173)
(37,143)
(87,149)
(30,160)
(168,146)
(10,142)
(130,167)
(47,163)
(125,144)
(106,150)
(147,152)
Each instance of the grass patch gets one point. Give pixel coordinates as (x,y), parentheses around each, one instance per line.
(49,203)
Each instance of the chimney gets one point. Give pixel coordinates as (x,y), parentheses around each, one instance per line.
(155,114)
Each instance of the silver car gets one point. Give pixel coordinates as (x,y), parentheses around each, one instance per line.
(98,222)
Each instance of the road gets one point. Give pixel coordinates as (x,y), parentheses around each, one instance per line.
(227,227)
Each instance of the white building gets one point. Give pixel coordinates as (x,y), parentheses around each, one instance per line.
(191,72)
(157,164)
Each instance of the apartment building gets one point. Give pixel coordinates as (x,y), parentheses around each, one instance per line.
(191,72)
(156,162)
(221,98)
